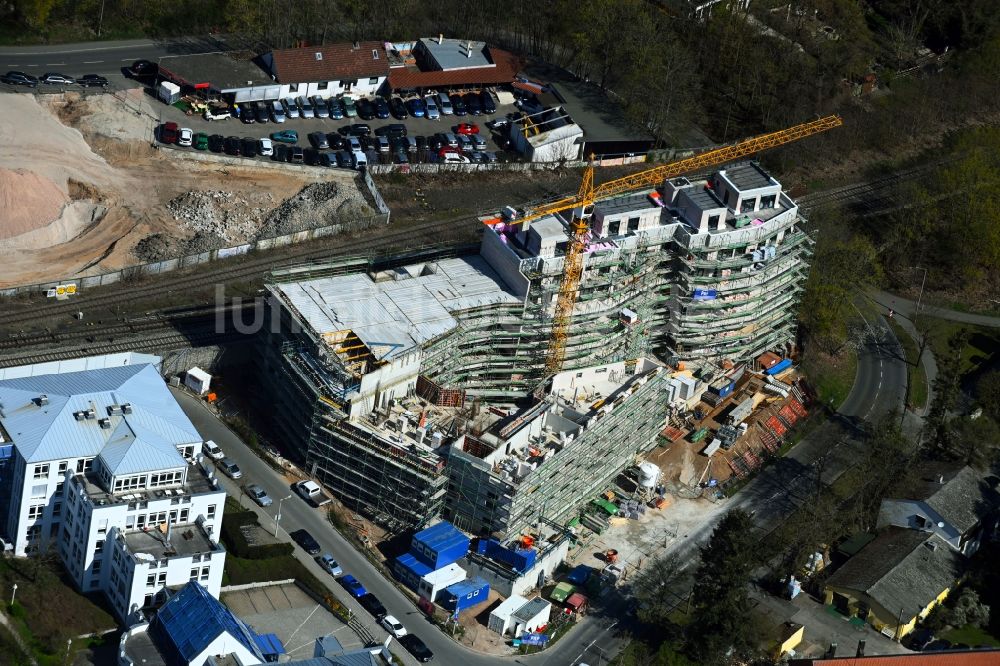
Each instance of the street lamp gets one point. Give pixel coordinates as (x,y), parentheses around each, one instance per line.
(922,283)
(277,516)
(12,594)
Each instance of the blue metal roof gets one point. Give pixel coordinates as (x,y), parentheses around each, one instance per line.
(269,644)
(441,536)
(413,564)
(51,432)
(193,618)
(468,586)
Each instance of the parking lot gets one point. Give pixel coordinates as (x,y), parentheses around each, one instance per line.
(290,613)
(416,127)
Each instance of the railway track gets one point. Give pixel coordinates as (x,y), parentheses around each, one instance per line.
(876,189)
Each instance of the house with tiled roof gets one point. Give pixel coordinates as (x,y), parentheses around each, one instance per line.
(355,68)
(895,580)
(956,503)
(441,64)
(978,657)
(106,470)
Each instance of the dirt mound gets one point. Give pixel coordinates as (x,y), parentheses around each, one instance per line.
(316,205)
(28,201)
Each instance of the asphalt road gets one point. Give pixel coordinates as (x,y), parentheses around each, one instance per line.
(104,58)
(594,638)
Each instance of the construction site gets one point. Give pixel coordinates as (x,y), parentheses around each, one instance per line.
(631,338)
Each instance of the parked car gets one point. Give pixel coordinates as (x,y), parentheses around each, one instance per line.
(458,106)
(256,493)
(232,145)
(391,130)
(54,79)
(92,81)
(327,160)
(451,140)
(421,142)
(464,143)
(454,157)
(416,107)
(318,140)
(497,123)
(365,110)
(478,142)
(372,604)
(435,142)
(477,157)
(336,141)
(285,136)
(467,128)
(246,113)
(231,469)
(433,110)
(418,648)
(336,108)
(168,133)
(359,161)
(381,107)
(383,144)
(217,113)
(486,101)
(265,147)
(350,106)
(305,107)
(282,153)
(249,147)
(357,129)
(400,157)
(344,159)
(19,79)
(296,155)
(216,143)
(306,541)
(142,69)
(353,585)
(310,156)
(321,107)
(291,108)
(473,104)
(354,143)
(210,448)
(444,103)
(277,112)
(394,626)
(329,564)
(398,109)
(491,157)
(260,112)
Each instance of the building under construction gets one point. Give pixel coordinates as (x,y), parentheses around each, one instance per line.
(383,381)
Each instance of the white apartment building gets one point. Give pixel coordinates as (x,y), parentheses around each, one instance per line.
(107,472)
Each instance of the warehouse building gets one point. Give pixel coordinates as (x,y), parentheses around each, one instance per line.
(421,390)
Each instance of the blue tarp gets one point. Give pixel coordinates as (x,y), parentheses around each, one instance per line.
(775,369)
(704,295)
(534,639)
(269,644)
(580,574)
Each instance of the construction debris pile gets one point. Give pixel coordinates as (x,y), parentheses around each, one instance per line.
(316,205)
(234,218)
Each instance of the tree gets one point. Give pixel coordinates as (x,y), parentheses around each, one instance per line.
(969,610)
(655,590)
(937,425)
(721,624)
(988,393)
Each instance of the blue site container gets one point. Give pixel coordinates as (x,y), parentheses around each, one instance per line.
(456,598)
(409,570)
(775,369)
(439,545)
(519,559)
(580,574)
(727,389)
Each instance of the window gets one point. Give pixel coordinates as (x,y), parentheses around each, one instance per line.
(374,54)
(98,547)
(614,228)
(196,557)
(293,87)
(748,205)
(204,573)
(184,515)
(713,221)
(59,488)
(373,81)
(84,465)
(161,578)
(130,483)
(39,491)
(322,85)
(194,573)
(346,85)
(633,224)
(57,509)
(94,584)
(150,580)
(768,201)
(36,511)
(147,600)
(211,511)
(63,466)
(42,471)
(206,557)
(97,566)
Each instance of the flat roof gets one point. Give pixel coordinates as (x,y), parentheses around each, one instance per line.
(217,69)
(398,311)
(702,198)
(629,203)
(457,53)
(197,482)
(548,227)
(185,539)
(142,650)
(747,176)
(505,67)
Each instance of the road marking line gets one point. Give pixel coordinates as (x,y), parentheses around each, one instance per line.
(92,62)
(54,64)
(98,48)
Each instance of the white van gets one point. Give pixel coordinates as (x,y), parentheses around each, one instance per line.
(358,160)
(212,450)
(445,103)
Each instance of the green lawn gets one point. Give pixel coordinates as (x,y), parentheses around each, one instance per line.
(831,376)
(48,610)
(983,342)
(916,378)
(970,636)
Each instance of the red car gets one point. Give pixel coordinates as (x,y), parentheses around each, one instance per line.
(467,128)
(169,133)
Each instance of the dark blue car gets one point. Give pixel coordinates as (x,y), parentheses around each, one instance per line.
(417,107)
(353,586)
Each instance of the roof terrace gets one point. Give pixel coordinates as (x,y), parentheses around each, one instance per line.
(153,543)
(198,480)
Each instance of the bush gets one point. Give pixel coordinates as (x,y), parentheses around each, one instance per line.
(236,543)
(968,610)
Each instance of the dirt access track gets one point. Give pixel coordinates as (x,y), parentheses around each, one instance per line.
(81,186)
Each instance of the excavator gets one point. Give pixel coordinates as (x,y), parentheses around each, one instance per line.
(583,201)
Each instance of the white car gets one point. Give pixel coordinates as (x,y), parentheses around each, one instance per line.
(455,158)
(212,450)
(185,136)
(266,147)
(329,564)
(394,626)
(433,112)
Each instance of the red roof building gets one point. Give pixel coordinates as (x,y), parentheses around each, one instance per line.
(332,62)
(453,63)
(951,658)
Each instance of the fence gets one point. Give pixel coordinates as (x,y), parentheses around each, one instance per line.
(254,586)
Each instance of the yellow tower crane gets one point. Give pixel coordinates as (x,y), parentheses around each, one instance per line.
(589,193)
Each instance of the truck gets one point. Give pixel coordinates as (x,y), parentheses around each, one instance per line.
(311,492)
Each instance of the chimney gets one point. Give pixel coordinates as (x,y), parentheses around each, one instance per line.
(468,49)
(357,44)
(441,38)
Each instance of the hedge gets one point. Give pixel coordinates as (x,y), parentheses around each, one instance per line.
(236,543)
